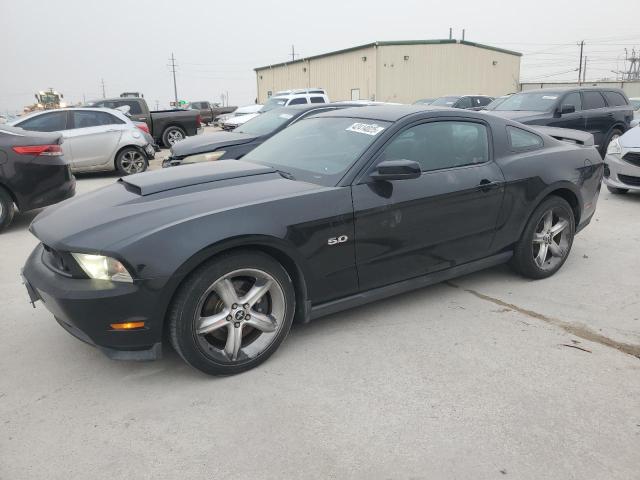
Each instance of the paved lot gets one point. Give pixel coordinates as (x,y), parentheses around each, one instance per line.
(473,379)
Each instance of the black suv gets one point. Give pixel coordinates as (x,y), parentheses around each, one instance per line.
(603,112)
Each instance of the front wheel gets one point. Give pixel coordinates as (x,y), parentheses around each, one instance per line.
(172,135)
(130,160)
(232,313)
(546,241)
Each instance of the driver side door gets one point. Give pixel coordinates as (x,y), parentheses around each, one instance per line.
(447,217)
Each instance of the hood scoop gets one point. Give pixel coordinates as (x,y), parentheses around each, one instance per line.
(148,183)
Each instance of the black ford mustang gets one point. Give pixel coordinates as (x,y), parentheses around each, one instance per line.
(337,210)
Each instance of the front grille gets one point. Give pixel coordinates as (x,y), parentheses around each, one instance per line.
(629,180)
(55,261)
(633,158)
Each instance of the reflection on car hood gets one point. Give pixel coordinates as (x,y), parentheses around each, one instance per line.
(142,205)
(631,139)
(208,142)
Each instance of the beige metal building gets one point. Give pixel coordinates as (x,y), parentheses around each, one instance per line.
(399,71)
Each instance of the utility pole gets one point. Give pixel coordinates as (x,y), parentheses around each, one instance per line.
(584,70)
(157,105)
(227,97)
(580,69)
(104,95)
(293,53)
(173,70)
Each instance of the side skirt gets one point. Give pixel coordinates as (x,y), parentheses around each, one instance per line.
(404,286)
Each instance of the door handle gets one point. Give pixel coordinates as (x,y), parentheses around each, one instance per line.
(486,185)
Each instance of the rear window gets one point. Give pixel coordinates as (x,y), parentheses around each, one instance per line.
(615,99)
(317,100)
(523,140)
(593,100)
(298,101)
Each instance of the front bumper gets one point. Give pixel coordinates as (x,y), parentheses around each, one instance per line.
(621,174)
(86,308)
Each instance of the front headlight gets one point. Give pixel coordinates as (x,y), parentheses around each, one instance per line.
(100,267)
(204,157)
(614,148)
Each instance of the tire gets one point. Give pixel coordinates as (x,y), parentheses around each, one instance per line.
(222,322)
(617,191)
(130,160)
(615,133)
(172,135)
(7,209)
(540,253)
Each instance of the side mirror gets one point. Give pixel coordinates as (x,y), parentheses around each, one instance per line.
(567,109)
(397,170)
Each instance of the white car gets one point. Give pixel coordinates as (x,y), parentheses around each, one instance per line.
(241,115)
(303,96)
(622,163)
(95,139)
(635,104)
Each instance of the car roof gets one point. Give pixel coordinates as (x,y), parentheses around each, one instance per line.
(387,113)
(570,89)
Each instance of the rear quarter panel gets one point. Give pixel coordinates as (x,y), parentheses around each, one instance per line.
(532,176)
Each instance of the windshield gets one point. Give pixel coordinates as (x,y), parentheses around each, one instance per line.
(424,101)
(273,102)
(494,103)
(535,102)
(445,101)
(318,150)
(266,123)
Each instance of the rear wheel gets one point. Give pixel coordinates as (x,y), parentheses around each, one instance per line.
(130,160)
(546,240)
(6,209)
(617,191)
(232,313)
(172,135)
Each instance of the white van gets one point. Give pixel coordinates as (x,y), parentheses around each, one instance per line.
(303,96)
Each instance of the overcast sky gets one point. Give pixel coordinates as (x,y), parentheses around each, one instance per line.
(70,45)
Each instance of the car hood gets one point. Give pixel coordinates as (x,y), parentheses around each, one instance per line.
(136,207)
(240,119)
(518,115)
(631,139)
(209,142)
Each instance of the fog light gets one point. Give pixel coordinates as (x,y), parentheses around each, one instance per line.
(127,325)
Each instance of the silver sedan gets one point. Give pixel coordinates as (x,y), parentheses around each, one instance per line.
(95,139)
(622,171)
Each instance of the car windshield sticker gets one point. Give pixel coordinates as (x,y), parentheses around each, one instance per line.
(286,116)
(549,97)
(366,128)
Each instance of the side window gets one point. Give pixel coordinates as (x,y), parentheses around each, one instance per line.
(592,100)
(464,102)
(48,122)
(440,145)
(574,99)
(615,99)
(523,140)
(196,106)
(317,100)
(298,101)
(482,101)
(86,119)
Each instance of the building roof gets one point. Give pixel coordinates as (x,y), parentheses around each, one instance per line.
(395,42)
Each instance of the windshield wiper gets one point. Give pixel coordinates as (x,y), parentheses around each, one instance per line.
(286,175)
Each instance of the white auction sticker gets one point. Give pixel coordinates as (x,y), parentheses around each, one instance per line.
(366,128)
(549,97)
(286,116)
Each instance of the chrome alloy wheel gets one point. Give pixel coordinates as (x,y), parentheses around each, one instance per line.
(174,136)
(551,239)
(239,315)
(132,162)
